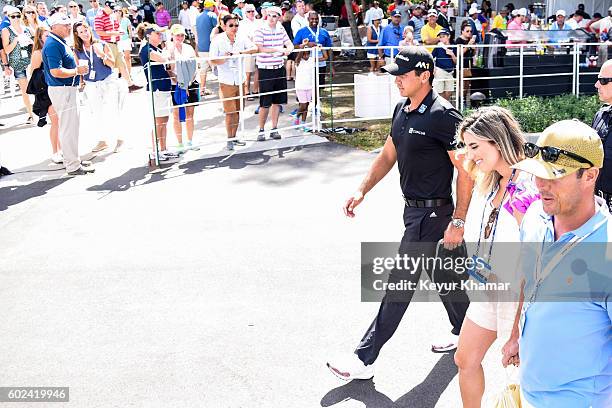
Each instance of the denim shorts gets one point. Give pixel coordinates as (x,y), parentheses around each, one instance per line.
(20,74)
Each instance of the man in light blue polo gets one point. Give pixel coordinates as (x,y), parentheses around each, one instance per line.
(566,320)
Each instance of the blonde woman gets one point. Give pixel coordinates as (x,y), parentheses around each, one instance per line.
(220,28)
(42,98)
(493,143)
(30,18)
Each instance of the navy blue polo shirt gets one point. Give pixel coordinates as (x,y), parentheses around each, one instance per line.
(159,75)
(422,139)
(443,61)
(56,54)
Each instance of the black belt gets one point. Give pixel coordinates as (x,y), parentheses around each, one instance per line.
(418,203)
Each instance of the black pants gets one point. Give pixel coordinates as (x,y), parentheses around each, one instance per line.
(427,230)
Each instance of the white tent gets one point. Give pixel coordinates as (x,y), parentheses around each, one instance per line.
(590,6)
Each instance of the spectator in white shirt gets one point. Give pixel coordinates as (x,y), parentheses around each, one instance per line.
(247,29)
(231,72)
(299,20)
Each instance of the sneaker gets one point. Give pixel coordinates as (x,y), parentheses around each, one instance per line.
(134,88)
(99,147)
(190,146)
(81,171)
(180,149)
(239,143)
(29,120)
(169,155)
(261,136)
(297,122)
(230,145)
(162,157)
(351,368)
(293,112)
(5,172)
(446,345)
(275,135)
(250,97)
(281,109)
(118,145)
(257,110)
(57,158)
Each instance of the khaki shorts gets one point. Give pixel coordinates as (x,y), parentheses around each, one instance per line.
(230,91)
(443,81)
(117,55)
(163,103)
(249,63)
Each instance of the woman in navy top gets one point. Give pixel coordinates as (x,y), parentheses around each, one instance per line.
(100,85)
(373,39)
(161,86)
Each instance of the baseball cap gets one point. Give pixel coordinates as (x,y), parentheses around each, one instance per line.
(209,3)
(110,3)
(153,28)
(443,31)
(473,10)
(571,136)
(515,13)
(396,13)
(8,10)
(249,7)
(275,9)
(409,59)
(177,29)
(267,4)
(442,3)
(560,13)
(522,11)
(432,12)
(58,19)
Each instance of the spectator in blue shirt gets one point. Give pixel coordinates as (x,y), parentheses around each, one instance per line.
(311,36)
(446,59)
(91,14)
(391,36)
(565,346)
(205,23)
(61,75)
(42,10)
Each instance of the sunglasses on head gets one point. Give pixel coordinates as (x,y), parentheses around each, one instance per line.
(604,80)
(551,154)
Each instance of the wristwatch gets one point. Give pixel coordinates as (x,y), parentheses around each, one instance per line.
(458,223)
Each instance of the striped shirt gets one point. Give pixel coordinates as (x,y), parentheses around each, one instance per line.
(270,38)
(106,22)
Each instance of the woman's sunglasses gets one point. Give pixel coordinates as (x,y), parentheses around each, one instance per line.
(604,80)
(551,154)
(15,16)
(233,25)
(30,12)
(490,222)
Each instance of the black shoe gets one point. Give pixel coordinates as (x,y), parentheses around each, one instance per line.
(81,171)
(41,122)
(239,142)
(5,172)
(275,135)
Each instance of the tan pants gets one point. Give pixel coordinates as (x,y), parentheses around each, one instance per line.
(64,100)
(118,56)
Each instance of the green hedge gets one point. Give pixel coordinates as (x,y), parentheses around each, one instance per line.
(536,113)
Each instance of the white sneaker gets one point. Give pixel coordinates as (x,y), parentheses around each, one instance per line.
(57,158)
(351,368)
(446,344)
(170,155)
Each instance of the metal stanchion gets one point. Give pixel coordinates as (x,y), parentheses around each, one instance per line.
(521,54)
(315,119)
(156,147)
(241,92)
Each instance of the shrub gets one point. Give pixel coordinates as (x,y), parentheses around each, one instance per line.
(535,113)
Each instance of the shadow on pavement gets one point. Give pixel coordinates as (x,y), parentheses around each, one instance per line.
(12,195)
(130,179)
(424,395)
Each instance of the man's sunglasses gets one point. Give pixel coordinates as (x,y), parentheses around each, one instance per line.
(251,11)
(233,25)
(73,6)
(604,80)
(551,154)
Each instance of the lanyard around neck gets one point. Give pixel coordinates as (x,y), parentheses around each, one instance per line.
(489,197)
(315,35)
